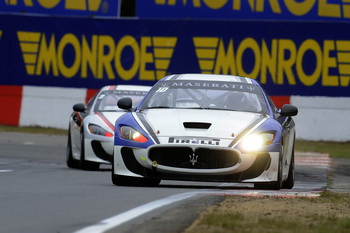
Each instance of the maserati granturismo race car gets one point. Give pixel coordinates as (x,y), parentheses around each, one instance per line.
(201,127)
(91,126)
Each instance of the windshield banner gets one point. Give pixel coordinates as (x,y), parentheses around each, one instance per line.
(297,10)
(287,58)
(61,7)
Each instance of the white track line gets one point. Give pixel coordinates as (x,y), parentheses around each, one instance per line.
(3,171)
(119,219)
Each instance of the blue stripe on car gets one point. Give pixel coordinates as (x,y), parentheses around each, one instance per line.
(128,120)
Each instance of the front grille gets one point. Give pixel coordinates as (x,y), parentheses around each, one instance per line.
(201,158)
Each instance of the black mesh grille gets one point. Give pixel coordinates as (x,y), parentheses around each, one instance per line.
(201,158)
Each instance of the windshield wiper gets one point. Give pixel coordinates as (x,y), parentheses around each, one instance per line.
(207,108)
(157,107)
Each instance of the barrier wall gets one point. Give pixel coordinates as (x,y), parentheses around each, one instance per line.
(53,58)
(320,118)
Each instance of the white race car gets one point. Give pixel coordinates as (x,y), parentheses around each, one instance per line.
(91,126)
(200,127)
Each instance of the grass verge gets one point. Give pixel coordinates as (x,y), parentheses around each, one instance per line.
(32,129)
(328,213)
(334,149)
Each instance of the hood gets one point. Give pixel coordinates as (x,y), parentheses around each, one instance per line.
(112,116)
(199,123)
(108,118)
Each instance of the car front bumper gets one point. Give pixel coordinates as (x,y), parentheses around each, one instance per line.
(169,162)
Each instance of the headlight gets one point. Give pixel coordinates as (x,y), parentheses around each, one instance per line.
(95,129)
(257,141)
(129,133)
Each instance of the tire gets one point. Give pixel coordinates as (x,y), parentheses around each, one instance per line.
(132,181)
(86,165)
(70,161)
(152,182)
(122,180)
(274,185)
(289,183)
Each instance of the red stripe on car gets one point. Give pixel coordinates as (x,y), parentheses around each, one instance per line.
(110,125)
(77,114)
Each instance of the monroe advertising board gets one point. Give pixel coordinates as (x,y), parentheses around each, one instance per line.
(91,53)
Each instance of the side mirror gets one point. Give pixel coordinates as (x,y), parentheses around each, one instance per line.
(289,110)
(79,107)
(125,103)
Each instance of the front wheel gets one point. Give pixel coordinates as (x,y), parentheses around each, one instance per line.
(86,165)
(70,161)
(120,180)
(289,183)
(274,185)
(133,181)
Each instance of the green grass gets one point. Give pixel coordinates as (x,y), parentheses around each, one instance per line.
(34,129)
(334,149)
(309,223)
(328,213)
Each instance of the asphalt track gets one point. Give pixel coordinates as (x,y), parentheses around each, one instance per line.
(38,193)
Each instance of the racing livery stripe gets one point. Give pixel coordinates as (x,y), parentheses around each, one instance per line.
(173,77)
(176,76)
(239,79)
(110,125)
(255,123)
(79,117)
(148,127)
(248,81)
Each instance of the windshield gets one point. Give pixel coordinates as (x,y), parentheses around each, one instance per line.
(190,94)
(107,101)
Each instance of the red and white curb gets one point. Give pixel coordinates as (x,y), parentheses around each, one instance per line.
(321,161)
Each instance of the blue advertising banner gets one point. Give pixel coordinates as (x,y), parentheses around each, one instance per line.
(62,7)
(307,10)
(287,58)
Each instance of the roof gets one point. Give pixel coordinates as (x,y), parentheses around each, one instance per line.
(210,77)
(127,87)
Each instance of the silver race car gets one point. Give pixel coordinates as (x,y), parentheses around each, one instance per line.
(200,127)
(91,126)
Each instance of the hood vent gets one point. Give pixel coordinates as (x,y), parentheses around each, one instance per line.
(197,125)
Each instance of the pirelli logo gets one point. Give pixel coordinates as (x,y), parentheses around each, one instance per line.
(99,55)
(281,61)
